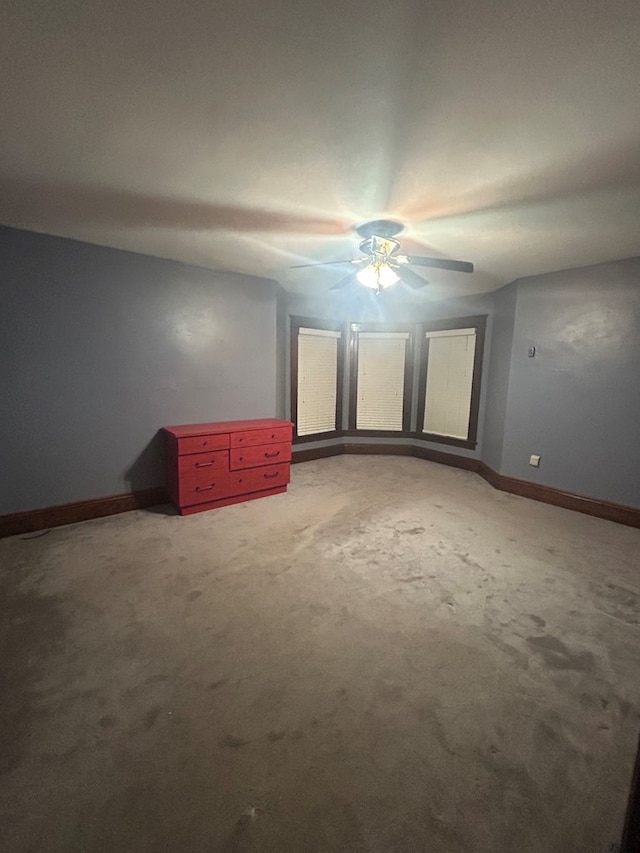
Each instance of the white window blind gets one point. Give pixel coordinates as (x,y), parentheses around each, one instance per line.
(317,380)
(449,382)
(381,364)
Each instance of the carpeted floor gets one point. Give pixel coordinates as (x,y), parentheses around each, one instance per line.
(392,658)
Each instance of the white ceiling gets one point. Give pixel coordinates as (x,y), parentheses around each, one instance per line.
(250,135)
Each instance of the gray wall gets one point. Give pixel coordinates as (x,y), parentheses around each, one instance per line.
(361,306)
(577,403)
(504,312)
(100,348)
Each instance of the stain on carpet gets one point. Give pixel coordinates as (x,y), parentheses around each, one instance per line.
(618,601)
(556,655)
(276,735)
(32,630)
(233,742)
(150,717)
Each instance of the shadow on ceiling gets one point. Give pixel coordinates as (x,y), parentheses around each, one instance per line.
(108,207)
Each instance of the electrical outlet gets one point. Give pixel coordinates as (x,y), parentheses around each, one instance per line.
(534,460)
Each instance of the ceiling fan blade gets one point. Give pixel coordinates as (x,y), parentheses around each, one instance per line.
(344,282)
(440,263)
(325,264)
(410,278)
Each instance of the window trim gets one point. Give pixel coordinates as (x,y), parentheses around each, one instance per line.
(406,328)
(298,323)
(479,323)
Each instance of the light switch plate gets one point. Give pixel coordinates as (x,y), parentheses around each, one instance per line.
(534,460)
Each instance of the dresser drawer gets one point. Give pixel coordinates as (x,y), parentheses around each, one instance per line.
(202,443)
(258,479)
(195,463)
(264,454)
(197,488)
(260,436)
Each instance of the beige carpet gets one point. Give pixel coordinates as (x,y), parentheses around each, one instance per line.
(391,657)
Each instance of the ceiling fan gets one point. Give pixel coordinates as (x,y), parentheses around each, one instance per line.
(382,265)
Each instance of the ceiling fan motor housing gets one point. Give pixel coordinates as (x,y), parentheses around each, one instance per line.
(379,228)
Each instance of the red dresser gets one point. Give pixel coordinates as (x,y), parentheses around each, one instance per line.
(212,465)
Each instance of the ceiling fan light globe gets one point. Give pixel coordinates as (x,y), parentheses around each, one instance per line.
(376,276)
(368,276)
(387,276)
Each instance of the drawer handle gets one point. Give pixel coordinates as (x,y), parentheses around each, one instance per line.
(273,435)
(204,443)
(240,439)
(272,455)
(205,488)
(203,464)
(271,476)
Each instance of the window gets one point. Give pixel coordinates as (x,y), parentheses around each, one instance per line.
(316,378)
(382,382)
(451,367)
(381,378)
